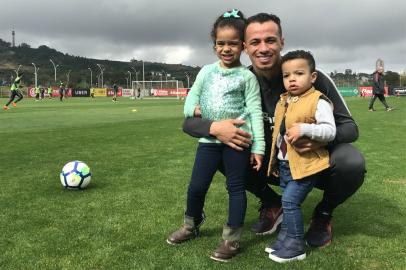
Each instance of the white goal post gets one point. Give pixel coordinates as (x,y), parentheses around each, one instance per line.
(169,88)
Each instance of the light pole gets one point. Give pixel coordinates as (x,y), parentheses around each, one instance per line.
(67,78)
(55,66)
(188,79)
(101,72)
(136,73)
(16,70)
(91,77)
(130,80)
(143,76)
(36,74)
(98,80)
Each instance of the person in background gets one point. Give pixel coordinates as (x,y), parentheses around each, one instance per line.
(49,92)
(378,90)
(15,92)
(61,91)
(115,92)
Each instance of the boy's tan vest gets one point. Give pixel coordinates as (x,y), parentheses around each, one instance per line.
(300,109)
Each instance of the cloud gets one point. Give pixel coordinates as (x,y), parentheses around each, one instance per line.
(340,33)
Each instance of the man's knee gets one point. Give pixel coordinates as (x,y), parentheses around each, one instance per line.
(345,159)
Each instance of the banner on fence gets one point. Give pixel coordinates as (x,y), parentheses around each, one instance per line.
(348,91)
(399,91)
(81,92)
(366,91)
(110,92)
(127,92)
(100,92)
(181,92)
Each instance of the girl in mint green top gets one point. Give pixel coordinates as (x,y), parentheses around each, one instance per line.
(228,93)
(223,90)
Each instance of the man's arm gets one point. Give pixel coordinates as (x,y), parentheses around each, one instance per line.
(197,127)
(347,130)
(225,131)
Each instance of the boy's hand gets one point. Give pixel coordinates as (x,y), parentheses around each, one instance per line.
(293,133)
(256,161)
(198,112)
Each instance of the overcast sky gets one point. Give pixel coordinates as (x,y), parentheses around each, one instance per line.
(341,34)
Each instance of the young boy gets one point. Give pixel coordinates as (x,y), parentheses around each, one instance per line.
(301,112)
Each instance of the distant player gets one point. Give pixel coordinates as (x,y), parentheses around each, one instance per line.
(15,92)
(61,91)
(42,91)
(92,92)
(37,92)
(49,92)
(115,90)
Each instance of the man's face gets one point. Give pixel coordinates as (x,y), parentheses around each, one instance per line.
(263,45)
(380,70)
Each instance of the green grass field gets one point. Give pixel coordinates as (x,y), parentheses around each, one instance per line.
(141,163)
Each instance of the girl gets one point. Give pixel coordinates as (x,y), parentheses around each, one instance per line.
(223,90)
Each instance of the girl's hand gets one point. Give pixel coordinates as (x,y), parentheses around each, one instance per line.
(293,133)
(198,112)
(256,161)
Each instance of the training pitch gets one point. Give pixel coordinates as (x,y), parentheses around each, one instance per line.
(141,162)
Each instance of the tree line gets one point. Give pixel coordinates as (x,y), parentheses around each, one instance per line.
(76,71)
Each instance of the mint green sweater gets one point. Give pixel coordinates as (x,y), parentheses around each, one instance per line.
(228,93)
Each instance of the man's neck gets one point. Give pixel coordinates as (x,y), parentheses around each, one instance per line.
(270,74)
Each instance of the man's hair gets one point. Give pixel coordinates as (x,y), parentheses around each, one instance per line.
(300,54)
(265,17)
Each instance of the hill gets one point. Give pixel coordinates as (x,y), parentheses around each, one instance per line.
(75,69)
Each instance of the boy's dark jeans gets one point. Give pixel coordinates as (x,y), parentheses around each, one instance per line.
(294,193)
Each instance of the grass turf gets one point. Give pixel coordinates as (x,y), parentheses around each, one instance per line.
(141,163)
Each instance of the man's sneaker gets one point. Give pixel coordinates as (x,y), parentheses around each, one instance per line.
(292,249)
(269,220)
(371,110)
(14,104)
(319,233)
(225,251)
(5,108)
(389,109)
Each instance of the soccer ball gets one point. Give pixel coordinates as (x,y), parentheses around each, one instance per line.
(75,175)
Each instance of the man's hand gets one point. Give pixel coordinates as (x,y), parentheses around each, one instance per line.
(227,132)
(256,161)
(305,145)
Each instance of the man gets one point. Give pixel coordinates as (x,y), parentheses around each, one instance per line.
(14,92)
(61,91)
(115,90)
(263,44)
(49,92)
(378,90)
